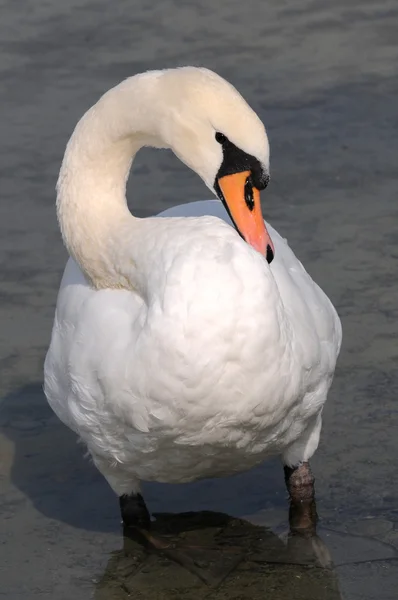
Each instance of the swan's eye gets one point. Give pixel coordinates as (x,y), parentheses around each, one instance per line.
(249,193)
(220,137)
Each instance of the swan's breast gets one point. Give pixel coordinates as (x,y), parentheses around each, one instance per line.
(202,273)
(214,335)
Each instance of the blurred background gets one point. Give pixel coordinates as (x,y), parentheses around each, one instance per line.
(323,77)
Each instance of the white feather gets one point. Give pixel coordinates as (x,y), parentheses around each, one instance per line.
(177,352)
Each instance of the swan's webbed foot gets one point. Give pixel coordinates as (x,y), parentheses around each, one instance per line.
(304,545)
(137,534)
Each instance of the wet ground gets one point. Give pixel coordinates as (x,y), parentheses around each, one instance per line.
(324,78)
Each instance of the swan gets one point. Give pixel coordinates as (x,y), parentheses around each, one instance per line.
(191,344)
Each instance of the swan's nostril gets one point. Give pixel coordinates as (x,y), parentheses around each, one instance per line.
(270,254)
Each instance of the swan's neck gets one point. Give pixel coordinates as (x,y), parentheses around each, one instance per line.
(95,221)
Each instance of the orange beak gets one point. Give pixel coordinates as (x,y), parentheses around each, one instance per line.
(245,211)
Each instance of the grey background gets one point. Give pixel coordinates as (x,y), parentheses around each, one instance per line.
(323,77)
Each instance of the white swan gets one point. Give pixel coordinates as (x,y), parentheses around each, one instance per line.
(178,351)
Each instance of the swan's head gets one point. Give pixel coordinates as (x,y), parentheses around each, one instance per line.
(211,128)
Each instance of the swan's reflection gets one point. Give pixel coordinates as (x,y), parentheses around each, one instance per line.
(229,557)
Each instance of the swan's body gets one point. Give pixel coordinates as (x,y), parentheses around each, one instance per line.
(177,351)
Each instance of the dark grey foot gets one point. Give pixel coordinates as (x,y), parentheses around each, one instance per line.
(134,511)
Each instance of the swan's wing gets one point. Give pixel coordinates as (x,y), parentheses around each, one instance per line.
(91,329)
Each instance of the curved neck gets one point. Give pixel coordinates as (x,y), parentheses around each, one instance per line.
(91,190)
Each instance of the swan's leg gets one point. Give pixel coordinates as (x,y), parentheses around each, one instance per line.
(134,511)
(135,515)
(298,476)
(300,481)
(132,505)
